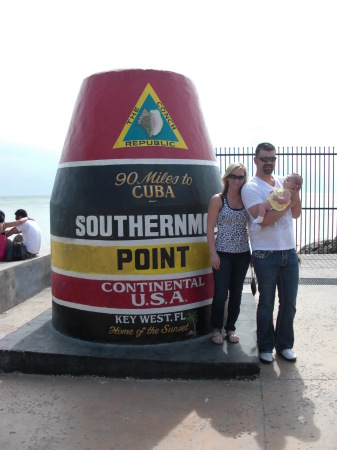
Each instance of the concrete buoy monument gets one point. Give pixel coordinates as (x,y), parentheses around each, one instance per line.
(128,211)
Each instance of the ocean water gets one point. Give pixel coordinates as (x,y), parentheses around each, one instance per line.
(37,207)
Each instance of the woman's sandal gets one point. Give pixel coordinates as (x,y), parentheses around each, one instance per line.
(217,338)
(232,337)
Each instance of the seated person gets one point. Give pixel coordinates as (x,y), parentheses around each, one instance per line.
(31,233)
(2,236)
(280,198)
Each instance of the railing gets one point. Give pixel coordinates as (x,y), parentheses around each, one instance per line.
(317,225)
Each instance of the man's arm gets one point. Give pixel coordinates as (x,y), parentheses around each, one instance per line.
(296,205)
(271,216)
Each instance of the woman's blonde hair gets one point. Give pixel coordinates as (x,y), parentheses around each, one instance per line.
(233,167)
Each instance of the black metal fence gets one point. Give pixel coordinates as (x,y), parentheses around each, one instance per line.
(317,225)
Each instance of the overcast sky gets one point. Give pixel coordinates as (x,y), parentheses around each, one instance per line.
(264,70)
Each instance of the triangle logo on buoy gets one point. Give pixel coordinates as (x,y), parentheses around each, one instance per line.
(150,125)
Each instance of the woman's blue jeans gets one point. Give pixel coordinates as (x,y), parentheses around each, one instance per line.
(229,278)
(276,268)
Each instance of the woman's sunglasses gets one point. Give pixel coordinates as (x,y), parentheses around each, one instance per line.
(236,177)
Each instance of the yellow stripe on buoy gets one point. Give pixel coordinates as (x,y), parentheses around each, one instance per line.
(141,259)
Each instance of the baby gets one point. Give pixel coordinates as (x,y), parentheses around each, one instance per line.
(280,198)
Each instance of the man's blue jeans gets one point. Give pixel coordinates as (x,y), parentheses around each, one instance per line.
(230,277)
(276,268)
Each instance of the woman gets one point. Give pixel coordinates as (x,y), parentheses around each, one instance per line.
(229,251)
(2,236)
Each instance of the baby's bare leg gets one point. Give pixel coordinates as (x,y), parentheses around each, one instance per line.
(263,208)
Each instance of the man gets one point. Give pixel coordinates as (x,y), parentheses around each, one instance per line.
(31,233)
(274,257)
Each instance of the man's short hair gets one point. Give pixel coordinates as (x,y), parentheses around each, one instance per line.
(2,217)
(21,212)
(264,146)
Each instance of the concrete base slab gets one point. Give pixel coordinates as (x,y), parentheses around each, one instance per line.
(36,347)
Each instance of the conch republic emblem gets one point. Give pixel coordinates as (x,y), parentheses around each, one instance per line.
(130,260)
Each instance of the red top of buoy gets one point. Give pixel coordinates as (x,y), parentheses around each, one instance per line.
(137,114)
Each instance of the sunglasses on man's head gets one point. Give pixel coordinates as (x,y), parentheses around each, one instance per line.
(236,177)
(267,158)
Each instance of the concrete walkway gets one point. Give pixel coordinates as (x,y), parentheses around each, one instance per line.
(287,406)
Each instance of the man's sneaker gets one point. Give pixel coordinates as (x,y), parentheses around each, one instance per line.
(266,357)
(288,354)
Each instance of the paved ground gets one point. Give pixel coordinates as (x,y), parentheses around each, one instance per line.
(289,406)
